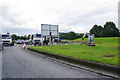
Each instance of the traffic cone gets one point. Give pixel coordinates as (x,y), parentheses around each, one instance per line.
(24,46)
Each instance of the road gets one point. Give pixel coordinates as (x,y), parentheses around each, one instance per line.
(20,63)
(0,64)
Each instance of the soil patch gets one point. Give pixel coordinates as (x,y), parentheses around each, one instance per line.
(109,55)
(78,41)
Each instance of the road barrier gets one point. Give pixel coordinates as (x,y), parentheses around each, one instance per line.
(105,69)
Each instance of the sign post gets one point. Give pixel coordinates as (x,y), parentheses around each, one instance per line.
(49,30)
(50,38)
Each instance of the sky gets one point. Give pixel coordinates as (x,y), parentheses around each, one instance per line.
(26,16)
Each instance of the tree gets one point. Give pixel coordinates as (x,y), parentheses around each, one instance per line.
(110,30)
(29,36)
(81,35)
(19,37)
(96,30)
(64,36)
(15,37)
(72,35)
(32,37)
(23,38)
(78,36)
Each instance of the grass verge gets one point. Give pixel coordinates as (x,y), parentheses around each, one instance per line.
(105,51)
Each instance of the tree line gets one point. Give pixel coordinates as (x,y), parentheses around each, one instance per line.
(108,30)
(25,37)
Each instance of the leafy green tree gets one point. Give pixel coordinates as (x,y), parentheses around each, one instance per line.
(22,37)
(72,35)
(78,36)
(28,37)
(25,37)
(96,30)
(19,37)
(32,37)
(110,30)
(81,35)
(64,36)
(15,37)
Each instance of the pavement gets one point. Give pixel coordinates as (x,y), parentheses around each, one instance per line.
(20,63)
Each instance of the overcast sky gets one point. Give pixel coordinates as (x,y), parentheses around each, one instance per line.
(26,16)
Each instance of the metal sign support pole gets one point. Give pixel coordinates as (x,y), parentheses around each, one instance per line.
(50,39)
(50,36)
(42,37)
(57,35)
(42,40)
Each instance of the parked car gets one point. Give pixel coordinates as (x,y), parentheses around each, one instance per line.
(27,42)
(19,42)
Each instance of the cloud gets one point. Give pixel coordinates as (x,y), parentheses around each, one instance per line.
(19,31)
(70,15)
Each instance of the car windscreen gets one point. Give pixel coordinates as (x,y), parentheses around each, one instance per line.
(6,36)
(38,35)
(19,40)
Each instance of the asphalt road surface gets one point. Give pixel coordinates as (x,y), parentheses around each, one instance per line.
(0,64)
(20,63)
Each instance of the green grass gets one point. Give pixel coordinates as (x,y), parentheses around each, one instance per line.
(104,46)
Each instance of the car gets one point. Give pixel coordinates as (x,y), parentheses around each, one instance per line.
(19,42)
(29,43)
(26,42)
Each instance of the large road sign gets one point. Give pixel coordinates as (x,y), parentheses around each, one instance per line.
(49,30)
(46,29)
